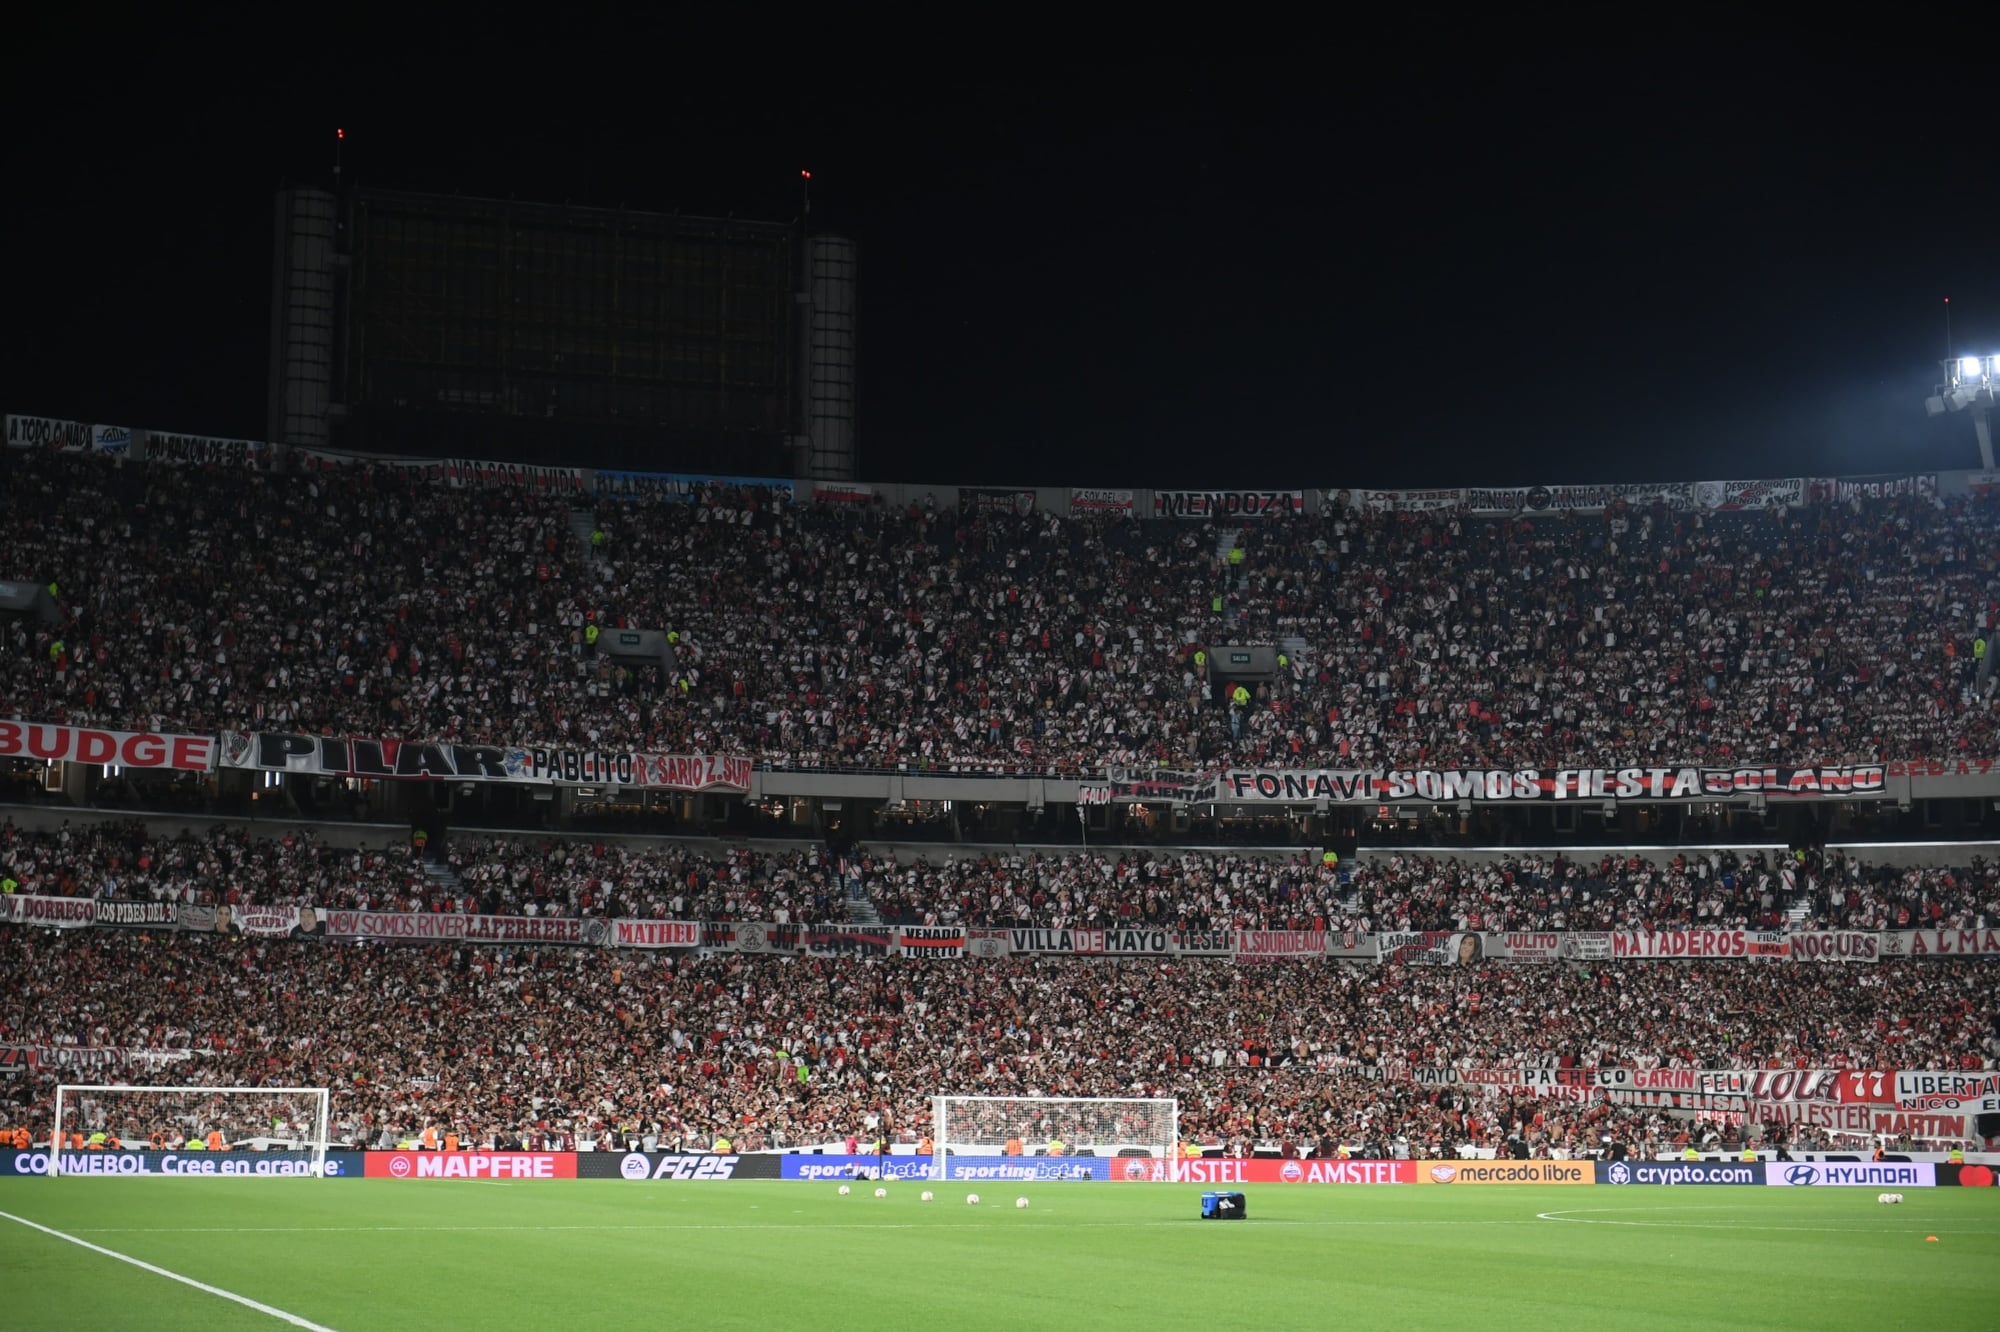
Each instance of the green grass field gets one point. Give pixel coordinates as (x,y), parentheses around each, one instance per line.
(387,1254)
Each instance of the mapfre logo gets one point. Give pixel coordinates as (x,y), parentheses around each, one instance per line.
(399,1166)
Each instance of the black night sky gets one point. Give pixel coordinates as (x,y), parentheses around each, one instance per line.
(1401,263)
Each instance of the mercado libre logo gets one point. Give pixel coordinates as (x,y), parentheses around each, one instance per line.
(1444,1174)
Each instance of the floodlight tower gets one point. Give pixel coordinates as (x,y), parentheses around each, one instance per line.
(1969,382)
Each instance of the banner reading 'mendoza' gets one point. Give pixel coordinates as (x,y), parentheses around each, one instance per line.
(1523,785)
(411,760)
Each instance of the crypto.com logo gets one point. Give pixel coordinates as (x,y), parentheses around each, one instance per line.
(1620,1173)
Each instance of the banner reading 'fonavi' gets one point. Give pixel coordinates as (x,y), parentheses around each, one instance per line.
(1525,785)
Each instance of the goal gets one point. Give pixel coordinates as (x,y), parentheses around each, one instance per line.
(1045,1125)
(262,1130)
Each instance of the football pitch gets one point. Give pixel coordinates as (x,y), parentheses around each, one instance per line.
(385,1254)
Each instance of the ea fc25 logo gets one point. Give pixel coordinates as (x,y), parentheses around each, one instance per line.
(635,1166)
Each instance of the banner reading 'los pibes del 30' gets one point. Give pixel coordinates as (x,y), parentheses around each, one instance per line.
(411,760)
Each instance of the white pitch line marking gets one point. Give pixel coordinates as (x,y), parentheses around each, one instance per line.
(203,1286)
(777,1225)
(1573,1216)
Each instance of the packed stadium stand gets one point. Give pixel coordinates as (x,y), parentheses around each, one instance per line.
(345,597)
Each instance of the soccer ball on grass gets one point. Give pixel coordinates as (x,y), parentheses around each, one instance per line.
(881,1193)
(927,1195)
(1020,1202)
(844,1190)
(972,1200)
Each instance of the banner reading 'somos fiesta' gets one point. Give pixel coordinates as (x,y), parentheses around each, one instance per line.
(1532,785)
(411,760)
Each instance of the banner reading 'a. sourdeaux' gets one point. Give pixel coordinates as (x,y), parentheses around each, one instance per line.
(1536,785)
(149,750)
(411,760)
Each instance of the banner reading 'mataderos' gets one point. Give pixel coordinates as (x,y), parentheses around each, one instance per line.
(410,760)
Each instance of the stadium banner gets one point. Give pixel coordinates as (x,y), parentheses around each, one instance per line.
(1529,948)
(1087,499)
(1505,1172)
(137,915)
(206,451)
(1027,1169)
(1532,785)
(1227,503)
(469,1165)
(21,1058)
(799,1165)
(1733,496)
(410,760)
(46,432)
(651,934)
(1271,945)
(1770,944)
(1679,1172)
(676,487)
(988,943)
(148,750)
(1171,788)
(1393,501)
(1586,946)
(1959,1092)
(1864,1175)
(1350,946)
(842,492)
(850,940)
(750,936)
(50,913)
(1422,948)
(975,499)
(266,922)
(446,927)
(1884,487)
(1941,943)
(674,1165)
(1207,943)
(236,1165)
(931,941)
(1259,1170)
(1836,946)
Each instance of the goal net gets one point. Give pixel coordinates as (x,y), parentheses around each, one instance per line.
(1051,1126)
(203,1130)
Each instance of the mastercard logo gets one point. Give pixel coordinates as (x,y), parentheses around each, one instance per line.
(1976,1176)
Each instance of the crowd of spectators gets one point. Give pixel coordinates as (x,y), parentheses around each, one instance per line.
(1177,889)
(576,1046)
(367,600)
(1174,888)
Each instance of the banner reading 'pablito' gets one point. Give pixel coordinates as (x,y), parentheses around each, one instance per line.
(411,760)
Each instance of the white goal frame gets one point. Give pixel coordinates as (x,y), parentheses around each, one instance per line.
(942,1145)
(321,1117)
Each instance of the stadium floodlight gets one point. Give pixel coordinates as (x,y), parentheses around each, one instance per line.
(1968,386)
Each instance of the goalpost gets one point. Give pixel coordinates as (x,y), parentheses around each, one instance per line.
(1045,1125)
(288,1124)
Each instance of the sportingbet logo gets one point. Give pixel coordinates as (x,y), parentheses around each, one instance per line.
(636,1165)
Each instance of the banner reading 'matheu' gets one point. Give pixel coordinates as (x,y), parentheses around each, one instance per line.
(412,760)
(1529,785)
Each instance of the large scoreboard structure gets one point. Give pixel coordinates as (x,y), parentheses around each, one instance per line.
(410,323)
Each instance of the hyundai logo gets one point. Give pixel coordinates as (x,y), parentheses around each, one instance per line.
(1802,1174)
